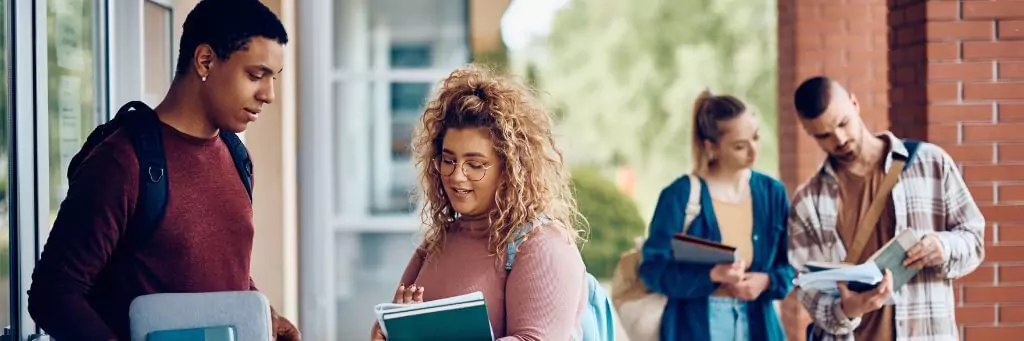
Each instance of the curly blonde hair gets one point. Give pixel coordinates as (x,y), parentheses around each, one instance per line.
(535,179)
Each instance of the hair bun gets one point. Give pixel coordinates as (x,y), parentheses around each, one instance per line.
(478,91)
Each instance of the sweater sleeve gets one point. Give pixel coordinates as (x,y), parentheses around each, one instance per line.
(89,224)
(544,290)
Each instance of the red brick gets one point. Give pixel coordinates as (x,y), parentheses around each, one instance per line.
(1010,233)
(1011,70)
(1011,192)
(825,26)
(851,41)
(976,153)
(976,314)
(992,294)
(990,233)
(938,133)
(993,50)
(1011,29)
(1011,273)
(960,71)
(943,51)
(982,193)
(1011,112)
(960,113)
(1004,213)
(984,275)
(994,90)
(941,10)
(847,12)
(992,10)
(960,30)
(1001,132)
(977,333)
(1010,313)
(1011,152)
(943,92)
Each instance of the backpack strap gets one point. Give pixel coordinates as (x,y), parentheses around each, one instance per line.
(693,204)
(912,146)
(240,155)
(146,133)
(521,233)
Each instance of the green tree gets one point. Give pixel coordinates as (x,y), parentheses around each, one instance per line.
(612,217)
(624,75)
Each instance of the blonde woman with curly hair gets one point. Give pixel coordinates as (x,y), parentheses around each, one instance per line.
(488,164)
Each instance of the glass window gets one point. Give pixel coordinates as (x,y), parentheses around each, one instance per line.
(5,228)
(397,50)
(374,262)
(73,98)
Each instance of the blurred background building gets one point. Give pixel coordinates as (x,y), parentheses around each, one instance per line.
(335,225)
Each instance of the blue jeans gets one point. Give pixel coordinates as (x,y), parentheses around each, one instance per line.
(728,319)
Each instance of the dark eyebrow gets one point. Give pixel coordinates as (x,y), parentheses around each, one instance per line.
(267,69)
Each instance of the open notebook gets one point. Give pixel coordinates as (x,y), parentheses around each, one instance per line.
(864,277)
(459,318)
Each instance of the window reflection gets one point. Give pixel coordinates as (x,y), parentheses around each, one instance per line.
(73,99)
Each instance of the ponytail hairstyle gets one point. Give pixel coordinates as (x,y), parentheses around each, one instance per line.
(708,111)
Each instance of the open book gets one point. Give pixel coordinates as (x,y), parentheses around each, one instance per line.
(459,318)
(865,276)
(689,249)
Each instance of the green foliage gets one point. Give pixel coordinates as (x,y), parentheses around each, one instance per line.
(613,218)
(496,58)
(624,75)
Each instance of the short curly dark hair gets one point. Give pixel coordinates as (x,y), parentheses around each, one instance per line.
(226,25)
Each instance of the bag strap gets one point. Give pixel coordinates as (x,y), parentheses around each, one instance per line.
(240,156)
(867,224)
(521,232)
(693,204)
(147,139)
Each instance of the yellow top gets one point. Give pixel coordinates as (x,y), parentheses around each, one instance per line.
(736,223)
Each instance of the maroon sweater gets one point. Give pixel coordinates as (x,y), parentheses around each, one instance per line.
(81,288)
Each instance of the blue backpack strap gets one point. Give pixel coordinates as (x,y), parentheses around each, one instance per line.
(240,155)
(521,233)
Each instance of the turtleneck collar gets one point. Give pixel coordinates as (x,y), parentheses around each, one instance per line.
(474,226)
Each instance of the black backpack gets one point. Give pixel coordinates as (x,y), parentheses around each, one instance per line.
(146,133)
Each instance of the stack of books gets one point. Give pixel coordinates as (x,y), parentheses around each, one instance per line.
(459,318)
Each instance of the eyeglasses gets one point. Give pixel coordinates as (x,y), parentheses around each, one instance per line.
(475,171)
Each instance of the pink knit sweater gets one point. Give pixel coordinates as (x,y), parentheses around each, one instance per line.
(542,298)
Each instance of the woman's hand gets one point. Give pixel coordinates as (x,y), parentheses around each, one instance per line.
(728,273)
(403,295)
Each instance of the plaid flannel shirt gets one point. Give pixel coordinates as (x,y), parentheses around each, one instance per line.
(931,197)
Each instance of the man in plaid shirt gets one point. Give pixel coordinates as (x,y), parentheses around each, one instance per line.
(930,197)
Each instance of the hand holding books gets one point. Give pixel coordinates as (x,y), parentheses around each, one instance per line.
(403,295)
(927,252)
(856,304)
(728,273)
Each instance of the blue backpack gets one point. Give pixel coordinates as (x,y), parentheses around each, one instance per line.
(596,323)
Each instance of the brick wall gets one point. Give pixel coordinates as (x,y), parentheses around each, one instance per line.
(974,80)
(953,75)
(843,39)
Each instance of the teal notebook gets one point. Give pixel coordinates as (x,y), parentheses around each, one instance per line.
(459,318)
(219,333)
